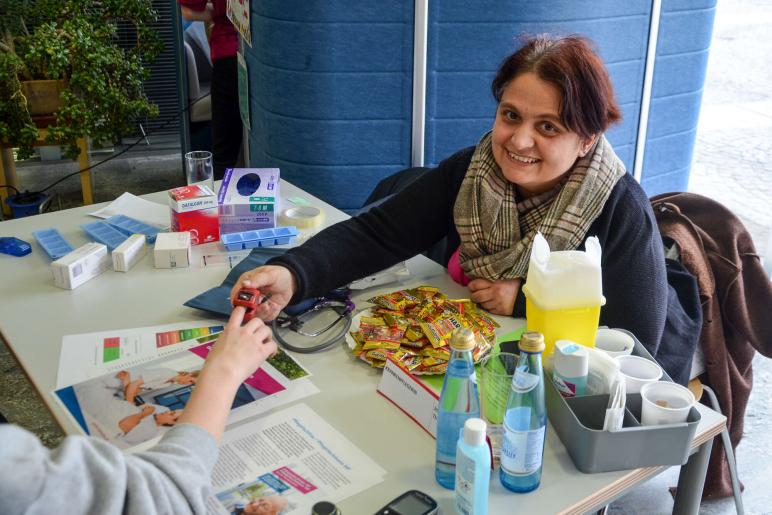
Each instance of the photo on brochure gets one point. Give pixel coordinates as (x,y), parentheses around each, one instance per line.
(281,361)
(279,492)
(139,404)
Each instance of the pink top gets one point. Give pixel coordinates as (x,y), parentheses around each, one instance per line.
(224,40)
(455,270)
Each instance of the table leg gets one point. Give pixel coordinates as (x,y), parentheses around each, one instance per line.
(8,174)
(85,177)
(691,481)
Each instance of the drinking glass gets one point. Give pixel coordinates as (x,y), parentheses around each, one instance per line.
(495,383)
(198,168)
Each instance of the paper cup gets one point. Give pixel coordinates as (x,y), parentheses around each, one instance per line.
(638,371)
(614,342)
(665,403)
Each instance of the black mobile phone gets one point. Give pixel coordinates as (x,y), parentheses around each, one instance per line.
(412,502)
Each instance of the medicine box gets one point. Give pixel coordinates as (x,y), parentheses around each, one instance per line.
(128,253)
(248,199)
(172,250)
(194,209)
(80,265)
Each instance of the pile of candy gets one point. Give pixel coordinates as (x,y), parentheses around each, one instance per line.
(413,328)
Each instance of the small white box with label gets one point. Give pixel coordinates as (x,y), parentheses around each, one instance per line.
(128,253)
(80,265)
(172,250)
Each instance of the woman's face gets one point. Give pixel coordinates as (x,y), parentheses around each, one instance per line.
(530,143)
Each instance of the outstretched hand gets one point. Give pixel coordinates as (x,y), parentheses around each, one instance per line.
(497,297)
(274,281)
(240,350)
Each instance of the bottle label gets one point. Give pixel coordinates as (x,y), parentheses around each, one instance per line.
(564,386)
(521,452)
(465,481)
(523,381)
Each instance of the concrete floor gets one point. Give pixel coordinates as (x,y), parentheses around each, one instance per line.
(732,163)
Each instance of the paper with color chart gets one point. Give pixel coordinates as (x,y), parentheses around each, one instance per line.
(134,406)
(285,463)
(84,356)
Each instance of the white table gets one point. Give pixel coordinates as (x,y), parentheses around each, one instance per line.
(34,315)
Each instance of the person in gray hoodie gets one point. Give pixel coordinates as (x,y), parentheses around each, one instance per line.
(89,475)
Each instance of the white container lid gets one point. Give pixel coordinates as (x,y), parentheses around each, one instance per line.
(570,359)
(474,431)
(564,279)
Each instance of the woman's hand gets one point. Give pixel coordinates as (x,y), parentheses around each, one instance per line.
(276,281)
(240,350)
(497,297)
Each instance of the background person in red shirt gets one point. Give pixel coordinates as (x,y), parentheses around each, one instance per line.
(223,42)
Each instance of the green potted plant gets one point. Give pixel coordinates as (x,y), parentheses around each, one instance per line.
(74,43)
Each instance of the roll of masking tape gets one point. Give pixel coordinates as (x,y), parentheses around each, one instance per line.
(302,217)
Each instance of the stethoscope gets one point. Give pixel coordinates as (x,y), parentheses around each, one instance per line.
(293,318)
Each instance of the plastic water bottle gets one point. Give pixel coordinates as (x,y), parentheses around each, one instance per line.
(525,420)
(473,469)
(459,401)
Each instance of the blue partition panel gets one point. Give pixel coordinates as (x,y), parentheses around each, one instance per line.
(331,82)
(330,93)
(468,41)
(685,31)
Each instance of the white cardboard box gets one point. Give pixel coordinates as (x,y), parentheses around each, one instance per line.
(417,399)
(248,199)
(80,265)
(172,250)
(128,253)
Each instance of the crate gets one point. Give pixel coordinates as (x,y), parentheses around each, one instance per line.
(578,421)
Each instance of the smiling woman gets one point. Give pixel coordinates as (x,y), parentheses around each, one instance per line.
(544,167)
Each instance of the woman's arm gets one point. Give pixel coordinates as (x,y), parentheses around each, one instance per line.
(191,14)
(633,265)
(88,475)
(93,476)
(408,223)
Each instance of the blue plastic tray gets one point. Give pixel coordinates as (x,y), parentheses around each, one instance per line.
(129,226)
(105,233)
(259,238)
(53,243)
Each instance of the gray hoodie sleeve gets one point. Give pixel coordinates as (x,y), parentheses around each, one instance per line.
(88,475)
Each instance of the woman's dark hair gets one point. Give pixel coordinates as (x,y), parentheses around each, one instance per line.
(571,65)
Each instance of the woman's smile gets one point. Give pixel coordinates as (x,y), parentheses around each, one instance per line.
(520,159)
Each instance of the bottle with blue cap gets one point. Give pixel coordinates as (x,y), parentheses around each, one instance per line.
(525,419)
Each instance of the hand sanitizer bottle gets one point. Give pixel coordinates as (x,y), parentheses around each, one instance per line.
(473,469)
(525,420)
(459,401)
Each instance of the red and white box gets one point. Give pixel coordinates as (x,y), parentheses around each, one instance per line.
(194,209)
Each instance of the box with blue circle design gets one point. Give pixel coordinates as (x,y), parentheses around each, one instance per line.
(248,199)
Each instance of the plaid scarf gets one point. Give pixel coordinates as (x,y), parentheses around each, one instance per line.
(496,230)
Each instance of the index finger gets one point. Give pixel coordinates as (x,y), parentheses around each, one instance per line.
(237,317)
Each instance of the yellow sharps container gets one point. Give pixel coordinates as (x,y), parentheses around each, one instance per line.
(564,293)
